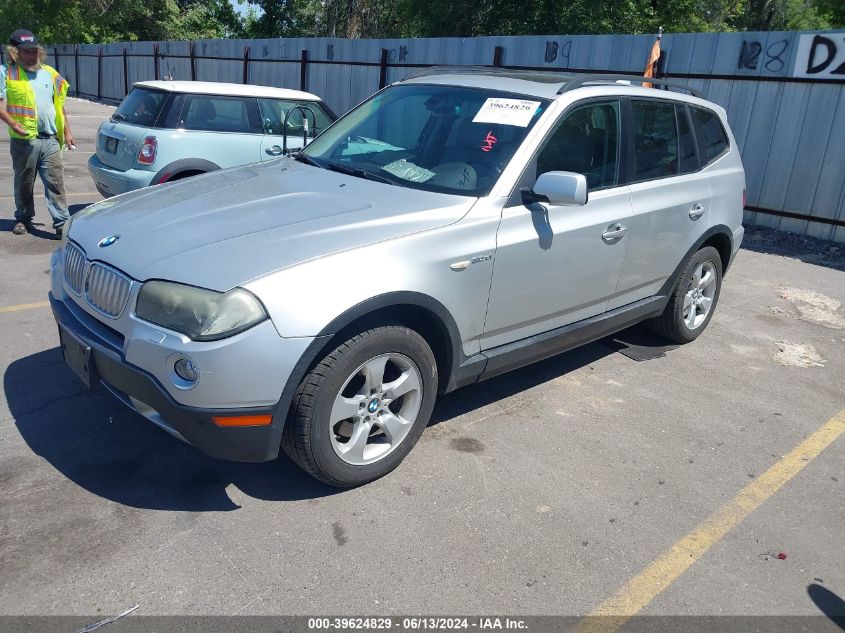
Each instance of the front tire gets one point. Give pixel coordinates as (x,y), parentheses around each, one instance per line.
(693,299)
(359,412)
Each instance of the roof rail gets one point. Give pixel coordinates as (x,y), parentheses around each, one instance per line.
(543,76)
(582,80)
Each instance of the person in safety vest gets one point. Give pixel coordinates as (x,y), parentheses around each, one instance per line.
(32,104)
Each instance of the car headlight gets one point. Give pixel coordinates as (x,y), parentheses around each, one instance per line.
(203,315)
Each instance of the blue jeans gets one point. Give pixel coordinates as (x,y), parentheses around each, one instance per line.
(43,156)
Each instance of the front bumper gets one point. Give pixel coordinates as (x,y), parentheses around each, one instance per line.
(143,393)
(113,182)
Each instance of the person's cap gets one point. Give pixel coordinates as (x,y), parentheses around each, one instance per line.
(23,39)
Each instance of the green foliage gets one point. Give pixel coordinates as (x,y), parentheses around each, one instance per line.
(101,21)
(445,18)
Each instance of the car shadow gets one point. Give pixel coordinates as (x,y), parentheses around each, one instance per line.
(829,603)
(804,248)
(76,208)
(647,345)
(99,444)
(111,451)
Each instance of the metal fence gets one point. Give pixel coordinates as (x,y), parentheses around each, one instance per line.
(784,91)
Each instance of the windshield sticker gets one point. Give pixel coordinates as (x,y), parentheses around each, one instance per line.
(488,142)
(408,171)
(516,112)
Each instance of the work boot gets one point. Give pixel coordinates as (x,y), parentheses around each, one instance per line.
(21,227)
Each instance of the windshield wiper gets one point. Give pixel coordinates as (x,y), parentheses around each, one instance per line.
(360,173)
(302,158)
(117,117)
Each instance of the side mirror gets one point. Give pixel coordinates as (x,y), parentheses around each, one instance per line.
(557,188)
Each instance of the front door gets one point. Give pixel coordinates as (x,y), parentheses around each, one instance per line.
(556,265)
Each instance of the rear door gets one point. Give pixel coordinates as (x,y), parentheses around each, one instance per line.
(556,265)
(669,193)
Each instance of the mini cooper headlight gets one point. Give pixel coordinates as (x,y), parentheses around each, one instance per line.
(203,315)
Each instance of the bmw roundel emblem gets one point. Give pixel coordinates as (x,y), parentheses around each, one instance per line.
(108,241)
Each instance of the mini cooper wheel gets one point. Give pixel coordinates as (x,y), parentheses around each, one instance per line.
(363,407)
(693,299)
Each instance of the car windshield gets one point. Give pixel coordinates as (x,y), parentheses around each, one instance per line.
(140,107)
(438,138)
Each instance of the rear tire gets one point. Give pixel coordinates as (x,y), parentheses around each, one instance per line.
(359,412)
(693,299)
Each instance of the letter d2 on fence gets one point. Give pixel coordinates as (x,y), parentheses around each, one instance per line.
(821,57)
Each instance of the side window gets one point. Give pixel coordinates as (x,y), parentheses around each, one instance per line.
(689,159)
(273,112)
(712,140)
(655,140)
(586,142)
(216,114)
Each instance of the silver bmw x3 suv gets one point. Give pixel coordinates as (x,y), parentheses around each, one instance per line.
(452,227)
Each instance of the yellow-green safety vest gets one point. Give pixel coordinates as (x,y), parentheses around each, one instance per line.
(20,101)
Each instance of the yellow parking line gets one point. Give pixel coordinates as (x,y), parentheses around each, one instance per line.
(657,576)
(25,306)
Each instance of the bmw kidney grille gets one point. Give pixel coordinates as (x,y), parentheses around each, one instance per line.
(106,289)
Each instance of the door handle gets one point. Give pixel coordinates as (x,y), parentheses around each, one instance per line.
(614,233)
(696,212)
(274,151)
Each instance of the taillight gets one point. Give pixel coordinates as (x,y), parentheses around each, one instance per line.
(743,198)
(147,153)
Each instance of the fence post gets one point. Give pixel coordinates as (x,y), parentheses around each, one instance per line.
(193,63)
(99,72)
(246,65)
(155,62)
(382,72)
(56,59)
(125,72)
(497,56)
(76,68)
(2,58)
(303,69)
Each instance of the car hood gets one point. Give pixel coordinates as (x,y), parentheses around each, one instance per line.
(227,227)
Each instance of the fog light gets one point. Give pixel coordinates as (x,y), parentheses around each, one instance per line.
(187,370)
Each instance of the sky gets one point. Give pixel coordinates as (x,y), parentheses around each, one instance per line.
(242,7)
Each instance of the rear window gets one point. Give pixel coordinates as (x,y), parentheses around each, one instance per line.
(140,107)
(655,140)
(712,140)
(212,113)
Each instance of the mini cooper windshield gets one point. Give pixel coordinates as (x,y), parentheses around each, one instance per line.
(437,138)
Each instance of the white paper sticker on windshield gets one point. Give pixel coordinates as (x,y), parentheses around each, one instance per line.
(515,112)
(408,171)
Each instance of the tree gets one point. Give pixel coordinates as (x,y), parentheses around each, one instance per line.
(782,15)
(102,21)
